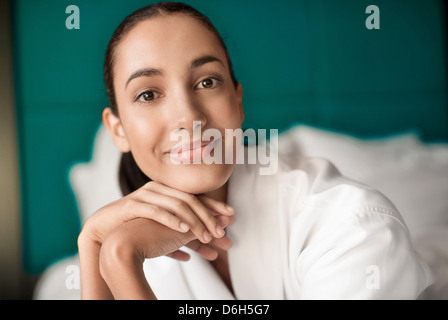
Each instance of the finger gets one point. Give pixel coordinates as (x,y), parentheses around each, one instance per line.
(203,249)
(218,206)
(180,209)
(223,243)
(159,214)
(179,255)
(223,220)
(201,212)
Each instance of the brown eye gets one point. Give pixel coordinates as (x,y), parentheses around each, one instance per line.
(147,96)
(208,83)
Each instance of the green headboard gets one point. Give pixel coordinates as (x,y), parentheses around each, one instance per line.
(310,61)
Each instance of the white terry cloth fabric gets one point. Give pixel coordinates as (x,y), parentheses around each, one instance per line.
(304,233)
(413,174)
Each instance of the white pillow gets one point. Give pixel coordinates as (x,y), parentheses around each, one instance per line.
(95,183)
(412,174)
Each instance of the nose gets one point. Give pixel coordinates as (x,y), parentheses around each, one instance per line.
(186,113)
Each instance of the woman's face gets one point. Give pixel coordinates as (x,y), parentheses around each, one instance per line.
(170,71)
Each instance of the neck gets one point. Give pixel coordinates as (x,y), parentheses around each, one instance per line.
(219,194)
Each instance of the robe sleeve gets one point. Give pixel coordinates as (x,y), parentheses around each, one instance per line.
(366,256)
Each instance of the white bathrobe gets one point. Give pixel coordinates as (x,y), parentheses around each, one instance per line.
(305,232)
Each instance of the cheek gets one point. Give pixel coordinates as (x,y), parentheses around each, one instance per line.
(225,112)
(143,135)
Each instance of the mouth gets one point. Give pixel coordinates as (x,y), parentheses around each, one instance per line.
(192,151)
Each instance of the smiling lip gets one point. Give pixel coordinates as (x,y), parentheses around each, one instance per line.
(191,152)
(186,147)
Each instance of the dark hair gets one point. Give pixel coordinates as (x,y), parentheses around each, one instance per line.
(130,176)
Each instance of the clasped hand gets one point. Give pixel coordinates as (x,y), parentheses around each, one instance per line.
(153,221)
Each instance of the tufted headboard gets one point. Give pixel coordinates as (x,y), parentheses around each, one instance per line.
(311,62)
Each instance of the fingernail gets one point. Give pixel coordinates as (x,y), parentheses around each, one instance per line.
(223,220)
(184,227)
(219,230)
(229,208)
(207,236)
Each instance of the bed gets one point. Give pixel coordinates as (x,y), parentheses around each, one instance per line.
(412,173)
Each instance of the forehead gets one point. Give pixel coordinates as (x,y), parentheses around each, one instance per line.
(166,42)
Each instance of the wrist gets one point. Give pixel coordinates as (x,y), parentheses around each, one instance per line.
(121,267)
(93,285)
(118,254)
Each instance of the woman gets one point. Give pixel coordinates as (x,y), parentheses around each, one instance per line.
(303,232)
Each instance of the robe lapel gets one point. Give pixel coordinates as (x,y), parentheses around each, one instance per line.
(255,257)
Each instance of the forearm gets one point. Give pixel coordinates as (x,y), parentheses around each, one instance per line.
(93,286)
(121,260)
(124,251)
(124,275)
(117,264)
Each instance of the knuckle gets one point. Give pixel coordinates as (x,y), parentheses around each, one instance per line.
(201,210)
(140,193)
(191,198)
(199,229)
(148,185)
(179,205)
(152,211)
(209,219)
(88,232)
(127,205)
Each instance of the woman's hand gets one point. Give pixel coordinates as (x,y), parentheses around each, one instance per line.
(125,249)
(197,217)
(180,211)
(207,251)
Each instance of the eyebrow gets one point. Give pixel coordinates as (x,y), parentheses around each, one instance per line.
(196,63)
(144,73)
(151,72)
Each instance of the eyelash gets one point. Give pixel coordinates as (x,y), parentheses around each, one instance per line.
(137,98)
(217,79)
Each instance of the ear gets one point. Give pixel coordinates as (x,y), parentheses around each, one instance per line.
(239,94)
(115,128)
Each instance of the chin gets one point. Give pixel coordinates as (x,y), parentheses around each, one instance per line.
(197,179)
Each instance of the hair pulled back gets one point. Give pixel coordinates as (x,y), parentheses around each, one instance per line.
(130,176)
